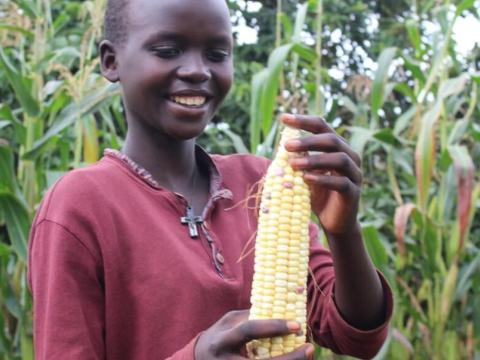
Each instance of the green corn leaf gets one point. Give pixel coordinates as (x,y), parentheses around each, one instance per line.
(378,95)
(360,137)
(4,251)
(464,5)
(375,248)
(452,86)
(237,141)
(52,176)
(458,131)
(7,180)
(268,144)
(406,90)
(12,304)
(5,343)
(429,241)
(4,124)
(91,147)
(24,32)
(278,57)
(29,7)
(20,130)
(444,161)
(270,91)
(18,223)
(387,136)
(414,35)
(404,120)
(287,25)
(433,245)
(448,293)
(299,22)
(350,105)
(268,102)
(465,277)
(258,82)
(107,119)
(305,52)
(21,86)
(26,343)
(414,66)
(72,113)
(425,153)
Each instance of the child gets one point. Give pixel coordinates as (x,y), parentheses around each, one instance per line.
(135,257)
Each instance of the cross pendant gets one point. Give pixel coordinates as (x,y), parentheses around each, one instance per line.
(192,222)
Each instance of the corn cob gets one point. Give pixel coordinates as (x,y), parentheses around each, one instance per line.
(281,253)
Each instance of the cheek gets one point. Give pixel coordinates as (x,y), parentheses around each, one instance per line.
(145,76)
(225,79)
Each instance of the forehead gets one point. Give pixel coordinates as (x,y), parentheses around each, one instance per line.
(179,16)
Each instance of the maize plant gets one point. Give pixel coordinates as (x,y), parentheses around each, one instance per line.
(49,93)
(413,117)
(415,121)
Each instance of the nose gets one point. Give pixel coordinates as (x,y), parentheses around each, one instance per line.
(193,69)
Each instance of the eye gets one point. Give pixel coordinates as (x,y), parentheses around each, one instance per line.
(166,52)
(218,55)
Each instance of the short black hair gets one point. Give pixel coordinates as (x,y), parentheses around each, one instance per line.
(116,21)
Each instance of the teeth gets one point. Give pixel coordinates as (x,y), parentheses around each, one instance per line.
(190,100)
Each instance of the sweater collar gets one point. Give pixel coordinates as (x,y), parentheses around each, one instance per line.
(203,158)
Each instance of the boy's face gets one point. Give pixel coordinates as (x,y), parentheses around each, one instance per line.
(176,66)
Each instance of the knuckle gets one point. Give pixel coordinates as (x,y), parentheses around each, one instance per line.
(215,347)
(234,314)
(228,316)
(334,140)
(345,160)
(345,186)
(280,325)
(245,330)
(320,120)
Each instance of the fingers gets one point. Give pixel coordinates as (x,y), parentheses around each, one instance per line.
(328,143)
(247,331)
(325,138)
(305,352)
(340,184)
(338,162)
(313,124)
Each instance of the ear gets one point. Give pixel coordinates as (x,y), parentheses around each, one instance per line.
(108,61)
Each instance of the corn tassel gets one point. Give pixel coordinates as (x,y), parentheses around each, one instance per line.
(281,253)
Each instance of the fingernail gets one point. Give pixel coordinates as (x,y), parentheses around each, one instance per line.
(288,117)
(299,162)
(309,177)
(293,144)
(293,326)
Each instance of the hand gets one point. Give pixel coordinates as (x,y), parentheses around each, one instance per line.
(227,338)
(335,176)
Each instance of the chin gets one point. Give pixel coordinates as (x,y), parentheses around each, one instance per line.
(185,133)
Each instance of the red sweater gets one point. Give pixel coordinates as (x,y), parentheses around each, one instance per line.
(115,275)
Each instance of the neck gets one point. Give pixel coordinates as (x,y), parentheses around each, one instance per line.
(171,162)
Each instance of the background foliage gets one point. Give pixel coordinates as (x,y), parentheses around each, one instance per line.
(387,75)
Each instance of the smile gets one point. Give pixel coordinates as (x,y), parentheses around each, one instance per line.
(191,101)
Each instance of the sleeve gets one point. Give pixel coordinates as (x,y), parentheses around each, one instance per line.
(66,282)
(327,326)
